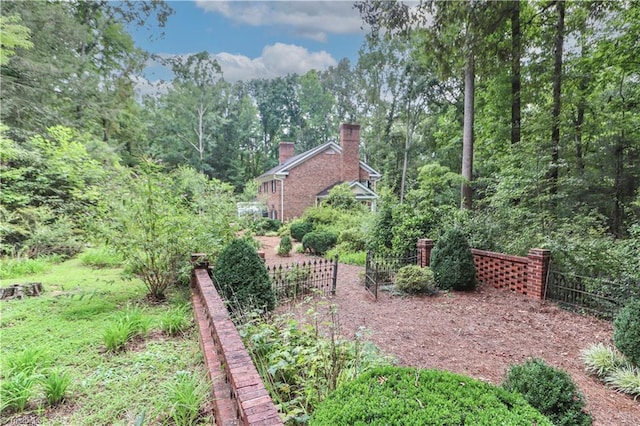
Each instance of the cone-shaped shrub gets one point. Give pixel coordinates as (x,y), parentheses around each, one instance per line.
(626,332)
(285,246)
(452,262)
(242,278)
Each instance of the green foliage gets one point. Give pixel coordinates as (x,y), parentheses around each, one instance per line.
(409,396)
(242,278)
(625,380)
(155,220)
(353,238)
(602,360)
(413,279)
(550,390)
(452,262)
(187,395)
(101,257)
(19,267)
(55,384)
(300,366)
(319,242)
(285,246)
(346,255)
(130,323)
(341,197)
(16,390)
(626,332)
(175,322)
(293,282)
(300,228)
(28,361)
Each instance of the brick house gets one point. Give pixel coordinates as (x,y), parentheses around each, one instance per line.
(301,181)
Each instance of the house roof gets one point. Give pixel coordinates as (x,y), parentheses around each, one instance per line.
(284,168)
(361,191)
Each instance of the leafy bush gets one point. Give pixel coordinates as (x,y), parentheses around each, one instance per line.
(242,278)
(285,246)
(415,280)
(550,390)
(300,228)
(300,366)
(341,197)
(345,255)
(452,262)
(626,332)
(408,396)
(265,225)
(319,242)
(353,238)
(601,360)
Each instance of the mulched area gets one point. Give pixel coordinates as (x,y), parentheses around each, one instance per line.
(478,333)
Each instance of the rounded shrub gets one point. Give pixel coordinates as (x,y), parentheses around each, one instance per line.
(408,396)
(319,242)
(300,228)
(415,280)
(626,332)
(285,246)
(452,262)
(550,390)
(242,279)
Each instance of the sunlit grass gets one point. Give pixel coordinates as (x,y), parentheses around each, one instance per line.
(69,321)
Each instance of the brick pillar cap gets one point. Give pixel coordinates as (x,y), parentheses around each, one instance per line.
(540,251)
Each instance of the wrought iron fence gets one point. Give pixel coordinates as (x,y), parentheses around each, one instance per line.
(381,269)
(297,280)
(596,295)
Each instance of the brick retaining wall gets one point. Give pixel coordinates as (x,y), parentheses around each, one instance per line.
(523,275)
(239,395)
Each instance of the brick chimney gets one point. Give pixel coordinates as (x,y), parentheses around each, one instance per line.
(285,151)
(350,143)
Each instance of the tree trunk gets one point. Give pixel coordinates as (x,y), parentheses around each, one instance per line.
(557,91)
(516,49)
(467,132)
(407,144)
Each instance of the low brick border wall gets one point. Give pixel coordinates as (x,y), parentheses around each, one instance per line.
(239,395)
(523,275)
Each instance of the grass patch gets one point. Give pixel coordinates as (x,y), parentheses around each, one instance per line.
(101,257)
(70,320)
(18,267)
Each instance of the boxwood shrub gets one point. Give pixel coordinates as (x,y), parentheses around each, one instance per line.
(413,279)
(452,262)
(550,390)
(409,396)
(300,228)
(626,332)
(319,242)
(242,278)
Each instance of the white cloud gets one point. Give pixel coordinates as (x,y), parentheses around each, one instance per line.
(311,19)
(276,60)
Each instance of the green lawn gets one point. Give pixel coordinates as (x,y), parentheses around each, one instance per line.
(66,325)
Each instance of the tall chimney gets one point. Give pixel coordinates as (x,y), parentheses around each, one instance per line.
(285,151)
(350,143)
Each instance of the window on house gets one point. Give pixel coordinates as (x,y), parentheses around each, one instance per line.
(274,214)
(265,187)
(274,185)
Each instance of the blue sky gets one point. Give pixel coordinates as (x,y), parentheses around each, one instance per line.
(258,39)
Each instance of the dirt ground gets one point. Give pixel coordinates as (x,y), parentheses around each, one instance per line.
(478,334)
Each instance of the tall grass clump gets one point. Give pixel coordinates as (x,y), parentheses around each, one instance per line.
(101,257)
(186,396)
(16,390)
(626,380)
(601,360)
(55,383)
(175,321)
(11,267)
(130,323)
(28,361)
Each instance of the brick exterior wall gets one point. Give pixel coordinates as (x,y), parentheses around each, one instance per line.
(523,275)
(286,150)
(239,395)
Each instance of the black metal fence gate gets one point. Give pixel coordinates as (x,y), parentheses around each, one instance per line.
(297,280)
(381,269)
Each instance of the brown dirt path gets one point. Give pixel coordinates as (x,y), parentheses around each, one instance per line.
(478,334)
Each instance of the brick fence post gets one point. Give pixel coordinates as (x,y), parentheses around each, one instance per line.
(198,261)
(537,270)
(424,252)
